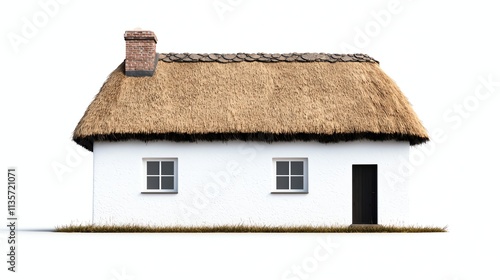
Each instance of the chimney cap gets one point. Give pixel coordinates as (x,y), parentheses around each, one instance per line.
(140,35)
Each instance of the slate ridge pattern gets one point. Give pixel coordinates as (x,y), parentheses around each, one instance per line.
(265,57)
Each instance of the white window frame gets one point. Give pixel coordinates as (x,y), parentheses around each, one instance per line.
(145,176)
(305,190)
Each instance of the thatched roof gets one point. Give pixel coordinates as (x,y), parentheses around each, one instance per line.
(262,97)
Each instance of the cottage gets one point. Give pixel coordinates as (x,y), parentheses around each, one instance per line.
(255,139)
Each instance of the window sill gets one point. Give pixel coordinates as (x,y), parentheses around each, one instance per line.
(289,192)
(159,192)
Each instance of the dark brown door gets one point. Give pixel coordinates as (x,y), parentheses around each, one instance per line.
(364,194)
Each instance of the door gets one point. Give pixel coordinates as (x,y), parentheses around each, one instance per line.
(364,194)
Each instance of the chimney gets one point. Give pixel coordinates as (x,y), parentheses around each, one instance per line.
(141,57)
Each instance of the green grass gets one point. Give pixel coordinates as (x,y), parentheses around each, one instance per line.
(243,228)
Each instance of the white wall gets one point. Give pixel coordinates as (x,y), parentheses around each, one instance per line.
(231,183)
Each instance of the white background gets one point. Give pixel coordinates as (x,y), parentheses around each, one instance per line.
(55,58)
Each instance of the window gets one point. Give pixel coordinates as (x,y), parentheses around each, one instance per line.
(291,175)
(161,175)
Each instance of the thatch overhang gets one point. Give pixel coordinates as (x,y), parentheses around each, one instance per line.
(252,97)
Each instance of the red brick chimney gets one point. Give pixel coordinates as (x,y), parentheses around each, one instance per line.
(141,57)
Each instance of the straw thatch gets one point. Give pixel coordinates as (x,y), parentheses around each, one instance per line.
(308,98)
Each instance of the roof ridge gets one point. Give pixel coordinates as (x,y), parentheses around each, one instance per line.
(265,57)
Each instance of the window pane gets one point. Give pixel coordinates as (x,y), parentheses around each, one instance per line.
(153,168)
(282,183)
(297,168)
(167,183)
(282,168)
(297,183)
(153,183)
(167,168)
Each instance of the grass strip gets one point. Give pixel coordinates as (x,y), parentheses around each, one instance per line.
(129,228)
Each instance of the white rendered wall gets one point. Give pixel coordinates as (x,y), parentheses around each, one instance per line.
(231,183)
